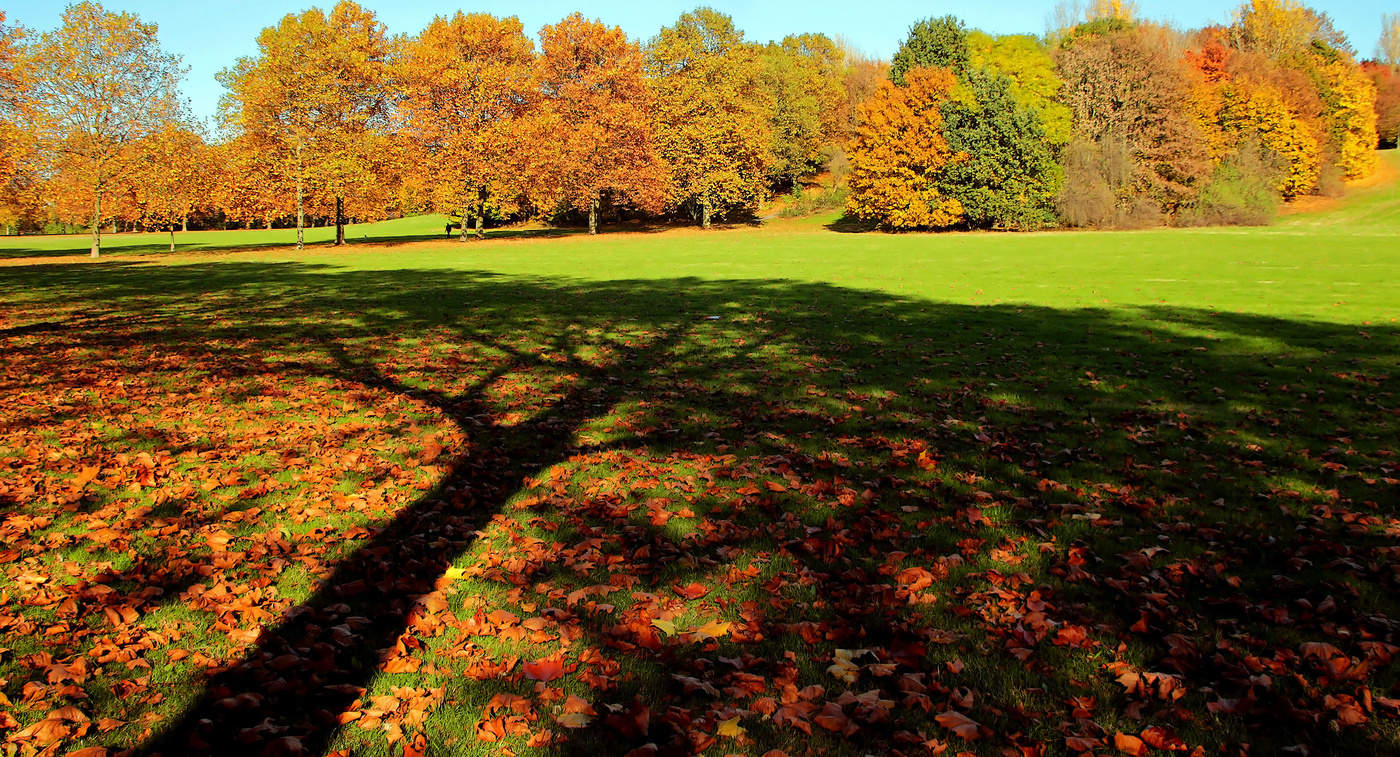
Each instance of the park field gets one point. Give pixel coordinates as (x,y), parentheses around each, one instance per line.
(763,488)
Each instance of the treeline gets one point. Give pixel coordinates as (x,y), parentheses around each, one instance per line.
(334,119)
(1107,121)
(1113,122)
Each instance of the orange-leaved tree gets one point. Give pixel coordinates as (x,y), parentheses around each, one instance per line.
(14,138)
(1238,109)
(712,123)
(898,152)
(313,102)
(170,175)
(100,85)
(467,87)
(1386,78)
(252,187)
(598,109)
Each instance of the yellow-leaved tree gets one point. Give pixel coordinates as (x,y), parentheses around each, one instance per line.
(467,88)
(712,124)
(313,103)
(898,152)
(1297,38)
(1350,96)
(1258,110)
(100,85)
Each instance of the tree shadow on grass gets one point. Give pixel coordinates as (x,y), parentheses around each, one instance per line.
(994,502)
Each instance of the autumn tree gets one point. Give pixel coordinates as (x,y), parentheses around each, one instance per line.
(1259,113)
(169,175)
(713,129)
(802,82)
(1130,96)
(100,85)
(1386,79)
(312,101)
(1350,98)
(899,153)
(932,43)
(599,114)
(860,79)
(251,186)
(1388,46)
(468,85)
(14,137)
(1302,42)
(1282,29)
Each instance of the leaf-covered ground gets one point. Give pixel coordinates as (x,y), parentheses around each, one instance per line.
(416,505)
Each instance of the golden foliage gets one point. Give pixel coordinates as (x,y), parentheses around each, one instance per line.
(1261,111)
(100,84)
(898,151)
(712,124)
(1351,118)
(312,101)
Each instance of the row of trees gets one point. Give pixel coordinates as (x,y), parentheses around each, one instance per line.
(1104,122)
(1111,121)
(334,118)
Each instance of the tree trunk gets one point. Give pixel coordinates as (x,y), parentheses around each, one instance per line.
(705,214)
(466,213)
(339,221)
(301,211)
(185,223)
(172,237)
(96,250)
(481,213)
(593,216)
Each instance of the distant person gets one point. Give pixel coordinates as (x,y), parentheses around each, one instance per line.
(448,230)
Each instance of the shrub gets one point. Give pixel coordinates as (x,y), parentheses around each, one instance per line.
(1243,190)
(816,201)
(1097,191)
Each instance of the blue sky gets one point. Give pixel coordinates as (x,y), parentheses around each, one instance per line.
(210,34)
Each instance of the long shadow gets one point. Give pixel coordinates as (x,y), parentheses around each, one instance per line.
(1099,434)
(304,672)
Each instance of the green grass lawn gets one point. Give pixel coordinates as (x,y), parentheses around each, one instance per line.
(761,488)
